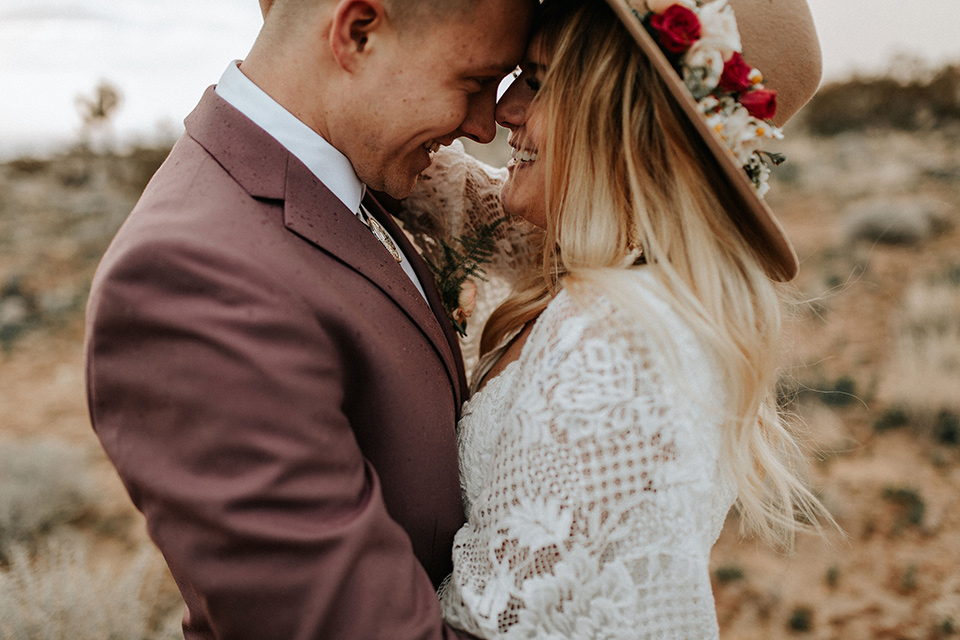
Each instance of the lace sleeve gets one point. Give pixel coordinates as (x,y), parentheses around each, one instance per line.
(456,195)
(452,198)
(604,497)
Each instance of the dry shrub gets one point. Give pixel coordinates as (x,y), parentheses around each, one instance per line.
(44,484)
(27,166)
(886,102)
(139,165)
(61,594)
(897,221)
(924,375)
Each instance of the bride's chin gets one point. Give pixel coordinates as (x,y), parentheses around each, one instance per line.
(506,199)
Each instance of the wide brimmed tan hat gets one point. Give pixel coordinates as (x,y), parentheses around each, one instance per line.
(779,39)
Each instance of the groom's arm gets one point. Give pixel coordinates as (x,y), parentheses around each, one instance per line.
(219,400)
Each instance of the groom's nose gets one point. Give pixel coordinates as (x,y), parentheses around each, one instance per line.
(479,124)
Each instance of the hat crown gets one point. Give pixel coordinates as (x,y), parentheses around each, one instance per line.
(780,39)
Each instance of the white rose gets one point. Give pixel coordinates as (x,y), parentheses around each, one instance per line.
(659,6)
(703,66)
(718,28)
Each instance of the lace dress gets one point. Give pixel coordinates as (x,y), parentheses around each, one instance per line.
(592,480)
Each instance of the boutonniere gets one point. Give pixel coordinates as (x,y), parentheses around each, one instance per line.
(453,269)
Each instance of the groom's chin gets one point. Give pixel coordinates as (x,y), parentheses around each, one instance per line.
(399,188)
(399,184)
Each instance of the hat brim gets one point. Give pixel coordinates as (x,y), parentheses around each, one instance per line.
(745,206)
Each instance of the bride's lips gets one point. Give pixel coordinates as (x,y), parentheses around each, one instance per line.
(425,152)
(521,158)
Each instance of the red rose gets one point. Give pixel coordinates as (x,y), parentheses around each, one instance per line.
(761,103)
(736,74)
(678,28)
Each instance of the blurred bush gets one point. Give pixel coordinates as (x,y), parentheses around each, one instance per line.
(896,221)
(137,166)
(44,485)
(842,393)
(926,101)
(61,594)
(923,375)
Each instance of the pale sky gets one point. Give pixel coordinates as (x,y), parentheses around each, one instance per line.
(865,34)
(163,53)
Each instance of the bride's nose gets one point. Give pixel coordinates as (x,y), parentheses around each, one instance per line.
(512,107)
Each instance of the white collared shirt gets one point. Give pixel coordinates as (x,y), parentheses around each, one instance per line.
(330,166)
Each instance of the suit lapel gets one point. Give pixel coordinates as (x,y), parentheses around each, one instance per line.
(425,274)
(263,167)
(315,214)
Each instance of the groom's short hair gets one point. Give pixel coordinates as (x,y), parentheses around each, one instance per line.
(401,12)
(406,11)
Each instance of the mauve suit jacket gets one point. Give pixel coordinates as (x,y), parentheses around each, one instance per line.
(277,397)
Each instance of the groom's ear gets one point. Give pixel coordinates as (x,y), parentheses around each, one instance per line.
(355,22)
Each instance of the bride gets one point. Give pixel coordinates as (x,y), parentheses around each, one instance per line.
(626,396)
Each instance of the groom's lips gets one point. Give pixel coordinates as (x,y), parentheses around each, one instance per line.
(429,148)
(425,158)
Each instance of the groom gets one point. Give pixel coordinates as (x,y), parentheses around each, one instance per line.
(268,364)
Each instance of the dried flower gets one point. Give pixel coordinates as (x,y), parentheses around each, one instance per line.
(467,303)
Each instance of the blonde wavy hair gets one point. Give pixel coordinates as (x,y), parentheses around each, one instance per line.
(623,168)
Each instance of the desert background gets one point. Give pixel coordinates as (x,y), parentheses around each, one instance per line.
(871,371)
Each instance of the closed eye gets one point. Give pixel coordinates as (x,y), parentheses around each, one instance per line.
(479,84)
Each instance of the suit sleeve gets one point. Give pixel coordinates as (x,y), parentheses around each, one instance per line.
(217,394)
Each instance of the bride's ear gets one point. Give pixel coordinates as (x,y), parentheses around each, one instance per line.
(356,24)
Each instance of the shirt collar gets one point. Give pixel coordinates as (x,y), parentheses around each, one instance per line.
(330,166)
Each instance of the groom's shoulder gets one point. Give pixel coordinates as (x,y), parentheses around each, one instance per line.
(192,209)
(192,195)
(192,178)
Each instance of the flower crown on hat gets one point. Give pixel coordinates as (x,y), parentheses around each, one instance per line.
(702,43)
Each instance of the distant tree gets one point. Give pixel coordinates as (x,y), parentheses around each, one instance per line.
(97,112)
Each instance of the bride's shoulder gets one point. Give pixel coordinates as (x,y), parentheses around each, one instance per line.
(635,305)
(636,318)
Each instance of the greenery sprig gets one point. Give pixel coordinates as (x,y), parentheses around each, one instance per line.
(452,267)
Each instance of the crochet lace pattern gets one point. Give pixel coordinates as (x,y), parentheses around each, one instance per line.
(454,196)
(593,485)
(590,467)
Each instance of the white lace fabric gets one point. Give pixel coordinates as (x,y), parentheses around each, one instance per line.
(593,485)
(456,195)
(590,466)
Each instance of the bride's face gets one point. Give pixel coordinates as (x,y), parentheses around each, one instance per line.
(524,192)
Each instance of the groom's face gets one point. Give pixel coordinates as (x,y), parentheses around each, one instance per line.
(435,83)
